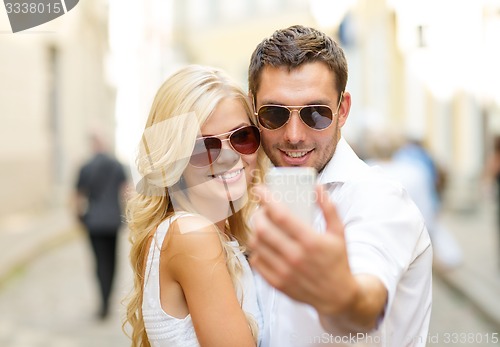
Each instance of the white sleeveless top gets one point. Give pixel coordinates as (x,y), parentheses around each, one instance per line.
(164,330)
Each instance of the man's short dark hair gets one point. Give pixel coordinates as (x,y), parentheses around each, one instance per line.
(293,47)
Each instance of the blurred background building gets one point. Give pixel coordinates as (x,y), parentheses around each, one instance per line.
(428,68)
(53,88)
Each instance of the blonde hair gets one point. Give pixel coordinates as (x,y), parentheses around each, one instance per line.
(182,104)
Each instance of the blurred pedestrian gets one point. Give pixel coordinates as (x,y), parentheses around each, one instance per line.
(382,143)
(413,151)
(410,164)
(447,251)
(492,176)
(99,191)
(197,157)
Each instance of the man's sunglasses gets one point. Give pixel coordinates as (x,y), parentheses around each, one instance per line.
(244,140)
(317,117)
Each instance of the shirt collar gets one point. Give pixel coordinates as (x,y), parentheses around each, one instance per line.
(343,166)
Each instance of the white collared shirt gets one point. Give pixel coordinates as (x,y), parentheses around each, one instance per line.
(386,237)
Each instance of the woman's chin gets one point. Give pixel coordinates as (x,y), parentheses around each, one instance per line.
(236,193)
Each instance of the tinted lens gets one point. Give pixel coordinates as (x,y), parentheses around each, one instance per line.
(246,140)
(206,151)
(316,117)
(273,117)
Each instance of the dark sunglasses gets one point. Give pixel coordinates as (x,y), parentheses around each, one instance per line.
(244,140)
(317,117)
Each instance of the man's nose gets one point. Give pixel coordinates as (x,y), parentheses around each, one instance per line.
(294,129)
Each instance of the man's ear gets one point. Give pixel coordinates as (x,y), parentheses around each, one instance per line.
(345,107)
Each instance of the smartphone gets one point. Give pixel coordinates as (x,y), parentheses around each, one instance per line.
(294,187)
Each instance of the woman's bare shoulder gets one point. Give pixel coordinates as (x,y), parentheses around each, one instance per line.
(194,235)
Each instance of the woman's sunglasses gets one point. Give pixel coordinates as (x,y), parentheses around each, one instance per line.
(245,140)
(317,117)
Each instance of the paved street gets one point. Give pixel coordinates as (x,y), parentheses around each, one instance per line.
(455,319)
(52,301)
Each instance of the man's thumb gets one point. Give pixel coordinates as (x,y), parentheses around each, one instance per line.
(333,223)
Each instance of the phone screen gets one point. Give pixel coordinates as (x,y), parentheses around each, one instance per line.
(294,187)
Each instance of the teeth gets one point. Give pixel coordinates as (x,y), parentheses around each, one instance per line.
(296,154)
(229,175)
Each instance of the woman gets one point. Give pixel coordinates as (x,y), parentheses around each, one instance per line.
(197,158)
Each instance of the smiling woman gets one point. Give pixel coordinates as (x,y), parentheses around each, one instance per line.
(198,157)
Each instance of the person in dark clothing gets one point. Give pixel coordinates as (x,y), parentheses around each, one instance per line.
(497,179)
(99,189)
(492,176)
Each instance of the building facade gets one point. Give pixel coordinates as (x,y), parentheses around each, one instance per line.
(53,89)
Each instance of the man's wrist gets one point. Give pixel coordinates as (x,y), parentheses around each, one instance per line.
(361,310)
(342,305)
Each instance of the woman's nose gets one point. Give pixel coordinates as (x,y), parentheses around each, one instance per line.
(228,156)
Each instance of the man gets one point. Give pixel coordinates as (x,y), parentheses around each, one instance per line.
(362,273)
(99,189)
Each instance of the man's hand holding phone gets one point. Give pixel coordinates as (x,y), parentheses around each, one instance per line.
(293,257)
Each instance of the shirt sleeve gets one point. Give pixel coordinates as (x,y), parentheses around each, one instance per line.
(382,228)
